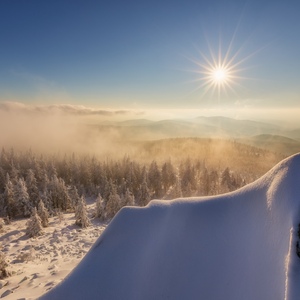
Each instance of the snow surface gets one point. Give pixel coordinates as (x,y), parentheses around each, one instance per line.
(239,245)
(38,264)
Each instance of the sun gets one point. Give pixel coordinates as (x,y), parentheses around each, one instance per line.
(220,72)
(220,75)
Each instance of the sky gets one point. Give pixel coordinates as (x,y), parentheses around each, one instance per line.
(150,55)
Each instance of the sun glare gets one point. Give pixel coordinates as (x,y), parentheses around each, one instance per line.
(220,72)
(219,75)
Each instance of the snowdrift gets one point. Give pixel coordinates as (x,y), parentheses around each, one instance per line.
(240,245)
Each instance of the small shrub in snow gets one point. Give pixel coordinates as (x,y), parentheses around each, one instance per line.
(34,225)
(26,256)
(3,265)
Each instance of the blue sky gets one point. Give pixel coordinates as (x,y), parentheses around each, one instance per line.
(139,54)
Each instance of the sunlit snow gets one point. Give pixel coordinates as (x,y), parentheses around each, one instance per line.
(240,245)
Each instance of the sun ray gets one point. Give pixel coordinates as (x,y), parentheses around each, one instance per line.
(220,73)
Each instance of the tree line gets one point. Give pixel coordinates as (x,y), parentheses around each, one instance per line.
(62,183)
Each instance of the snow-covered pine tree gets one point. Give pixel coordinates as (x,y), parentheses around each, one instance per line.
(2,180)
(176,189)
(144,193)
(128,198)
(100,209)
(45,197)
(188,178)
(2,209)
(43,214)
(154,178)
(168,176)
(14,173)
(22,199)
(58,194)
(74,196)
(113,204)
(81,217)
(226,181)
(34,225)
(10,205)
(44,183)
(32,188)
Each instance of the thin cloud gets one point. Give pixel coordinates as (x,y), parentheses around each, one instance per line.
(67,109)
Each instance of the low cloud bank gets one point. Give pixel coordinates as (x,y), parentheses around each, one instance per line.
(58,128)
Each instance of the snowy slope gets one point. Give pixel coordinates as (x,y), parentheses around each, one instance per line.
(235,246)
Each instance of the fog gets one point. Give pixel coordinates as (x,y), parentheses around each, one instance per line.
(83,130)
(58,129)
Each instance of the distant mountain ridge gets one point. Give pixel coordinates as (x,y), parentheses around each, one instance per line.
(217,126)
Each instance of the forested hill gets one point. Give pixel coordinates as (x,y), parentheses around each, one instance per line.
(164,169)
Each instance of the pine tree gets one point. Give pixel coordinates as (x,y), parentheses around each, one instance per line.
(58,194)
(154,178)
(2,206)
(32,188)
(81,217)
(10,205)
(43,214)
(144,193)
(45,197)
(34,225)
(74,196)
(128,198)
(2,180)
(100,209)
(113,204)
(176,189)
(226,181)
(22,199)
(14,174)
(188,179)
(168,176)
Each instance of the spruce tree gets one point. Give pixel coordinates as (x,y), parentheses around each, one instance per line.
(81,217)
(22,199)
(155,180)
(168,176)
(128,198)
(32,188)
(2,180)
(34,225)
(58,194)
(100,209)
(113,204)
(43,214)
(176,189)
(74,196)
(10,205)
(144,194)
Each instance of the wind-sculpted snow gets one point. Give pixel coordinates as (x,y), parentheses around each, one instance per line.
(240,245)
